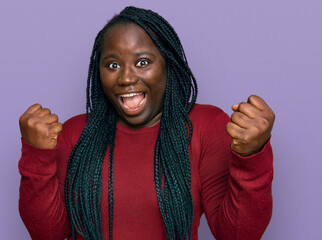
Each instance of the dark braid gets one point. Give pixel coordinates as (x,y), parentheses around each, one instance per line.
(83,183)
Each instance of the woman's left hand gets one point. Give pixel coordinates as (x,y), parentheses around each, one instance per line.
(250,126)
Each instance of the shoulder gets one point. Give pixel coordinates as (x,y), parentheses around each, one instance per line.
(209,139)
(78,120)
(208,120)
(74,127)
(201,113)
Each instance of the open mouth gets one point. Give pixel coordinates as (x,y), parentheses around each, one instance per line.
(132,103)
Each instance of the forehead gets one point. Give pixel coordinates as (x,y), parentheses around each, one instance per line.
(127,36)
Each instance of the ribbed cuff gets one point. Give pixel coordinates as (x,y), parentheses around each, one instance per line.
(259,162)
(37,160)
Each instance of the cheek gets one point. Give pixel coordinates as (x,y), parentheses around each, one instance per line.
(160,87)
(163,80)
(106,81)
(159,78)
(164,73)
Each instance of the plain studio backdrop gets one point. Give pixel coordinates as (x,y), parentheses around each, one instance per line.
(234,48)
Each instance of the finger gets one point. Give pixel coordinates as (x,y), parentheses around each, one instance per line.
(42,112)
(235,131)
(54,137)
(33,108)
(235,107)
(50,118)
(258,102)
(56,128)
(241,119)
(235,142)
(249,110)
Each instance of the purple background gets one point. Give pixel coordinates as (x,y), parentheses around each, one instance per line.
(235,48)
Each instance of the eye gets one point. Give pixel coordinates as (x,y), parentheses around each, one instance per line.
(142,63)
(113,65)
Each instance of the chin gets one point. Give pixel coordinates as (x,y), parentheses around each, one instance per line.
(137,122)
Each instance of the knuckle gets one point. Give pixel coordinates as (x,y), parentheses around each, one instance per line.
(229,129)
(253,97)
(46,132)
(46,110)
(36,105)
(241,116)
(228,126)
(22,119)
(30,121)
(237,115)
(236,142)
(55,117)
(264,123)
(272,116)
(246,138)
(256,131)
(56,127)
(233,117)
(242,106)
(41,127)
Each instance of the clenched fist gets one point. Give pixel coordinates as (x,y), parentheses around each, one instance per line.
(39,127)
(250,126)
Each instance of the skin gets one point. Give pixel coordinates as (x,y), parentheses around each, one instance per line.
(39,127)
(250,126)
(131,63)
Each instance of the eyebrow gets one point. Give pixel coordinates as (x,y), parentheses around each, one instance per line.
(139,54)
(110,56)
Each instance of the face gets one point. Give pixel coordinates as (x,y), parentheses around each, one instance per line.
(133,74)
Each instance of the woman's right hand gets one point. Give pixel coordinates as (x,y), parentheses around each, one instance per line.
(39,127)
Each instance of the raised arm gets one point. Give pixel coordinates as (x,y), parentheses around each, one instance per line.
(41,201)
(236,190)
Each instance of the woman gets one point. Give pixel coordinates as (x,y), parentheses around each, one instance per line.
(145,161)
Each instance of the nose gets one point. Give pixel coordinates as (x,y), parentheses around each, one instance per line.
(128,76)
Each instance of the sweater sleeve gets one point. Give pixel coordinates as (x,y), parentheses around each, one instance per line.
(41,201)
(236,191)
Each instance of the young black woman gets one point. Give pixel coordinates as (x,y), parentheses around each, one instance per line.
(145,162)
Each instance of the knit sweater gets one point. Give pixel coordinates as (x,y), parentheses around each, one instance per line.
(234,192)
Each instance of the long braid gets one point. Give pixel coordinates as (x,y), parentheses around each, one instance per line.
(83,183)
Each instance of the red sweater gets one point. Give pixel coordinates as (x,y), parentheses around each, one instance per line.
(234,192)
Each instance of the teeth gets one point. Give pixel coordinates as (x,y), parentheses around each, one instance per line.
(130,95)
(136,108)
(127,95)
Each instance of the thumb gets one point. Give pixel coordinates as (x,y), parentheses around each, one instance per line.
(235,107)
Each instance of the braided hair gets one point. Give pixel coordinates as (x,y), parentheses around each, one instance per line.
(83,184)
